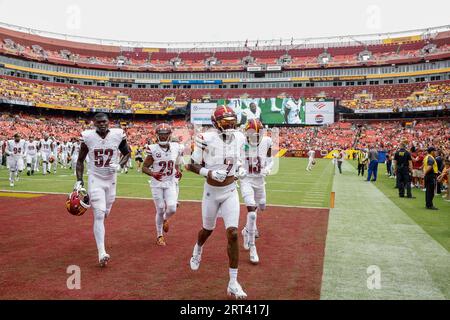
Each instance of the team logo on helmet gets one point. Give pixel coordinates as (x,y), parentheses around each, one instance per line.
(254,129)
(224,119)
(78,202)
(163,134)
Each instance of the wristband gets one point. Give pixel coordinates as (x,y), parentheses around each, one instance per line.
(204,172)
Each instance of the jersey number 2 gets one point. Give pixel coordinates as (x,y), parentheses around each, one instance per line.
(99,157)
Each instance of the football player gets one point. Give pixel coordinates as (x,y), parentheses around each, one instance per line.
(31,148)
(311,161)
(162,164)
(251,113)
(64,153)
(15,150)
(258,164)
(139,158)
(46,147)
(291,111)
(218,156)
(74,154)
(103,146)
(2,146)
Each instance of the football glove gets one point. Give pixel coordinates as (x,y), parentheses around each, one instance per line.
(178,175)
(114,167)
(265,171)
(241,173)
(78,186)
(157,175)
(219,175)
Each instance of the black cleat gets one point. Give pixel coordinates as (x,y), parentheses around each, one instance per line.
(28,173)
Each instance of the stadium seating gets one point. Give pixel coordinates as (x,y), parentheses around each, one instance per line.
(65,52)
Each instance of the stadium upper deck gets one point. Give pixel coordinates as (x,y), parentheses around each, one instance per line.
(263,55)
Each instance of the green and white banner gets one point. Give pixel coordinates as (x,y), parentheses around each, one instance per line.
(270,111)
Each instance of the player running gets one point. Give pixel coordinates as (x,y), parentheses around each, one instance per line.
(258,163)
(31,149)
(15,150)
(102,146)
(162,164)
(311,161)
(217,156)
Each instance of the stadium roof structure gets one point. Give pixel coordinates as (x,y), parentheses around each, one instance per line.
(238,45)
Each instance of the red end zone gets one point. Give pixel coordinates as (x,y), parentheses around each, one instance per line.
(39,240)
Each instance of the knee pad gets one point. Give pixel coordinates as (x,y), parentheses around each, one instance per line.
(252,216)
(262,206)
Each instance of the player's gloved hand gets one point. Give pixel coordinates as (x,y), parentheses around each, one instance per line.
(114,167)
(242,173)
(219,175)
(157,175)
(78,186)
(265,172)
(178,175)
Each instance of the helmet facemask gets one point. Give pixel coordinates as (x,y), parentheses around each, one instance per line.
(163,138)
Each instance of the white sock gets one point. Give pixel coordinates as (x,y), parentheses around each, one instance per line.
(11,176)
(233,274)
(99,231)
(198,249)
(251,226)
(159,220)
(44,167)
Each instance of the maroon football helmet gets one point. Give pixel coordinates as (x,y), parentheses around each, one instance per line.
(77,202)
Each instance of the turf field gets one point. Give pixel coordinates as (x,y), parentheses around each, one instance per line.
(291,185)
(333,253)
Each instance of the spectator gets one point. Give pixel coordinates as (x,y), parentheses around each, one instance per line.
(373,164)
(430,171)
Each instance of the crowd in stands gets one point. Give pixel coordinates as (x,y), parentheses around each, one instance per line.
(135,100)
(215,59)
(432,95)
(385,135)
(80,97)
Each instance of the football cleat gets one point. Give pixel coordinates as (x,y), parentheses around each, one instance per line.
(103,259)
(160,241)
(11,184)
(166,226)
(195,261)
(254,255)
(234,290)
(246,237)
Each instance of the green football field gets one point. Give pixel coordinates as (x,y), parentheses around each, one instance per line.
(371,233)
(291,184)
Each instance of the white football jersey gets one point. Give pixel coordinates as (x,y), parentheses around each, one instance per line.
(164,161)
(46,146)
(103,152)
(1,147)
(76,148)
(292,109)
(216,154)
(63,147)
(250,115)
(31,148)
(16,149)
(256,156)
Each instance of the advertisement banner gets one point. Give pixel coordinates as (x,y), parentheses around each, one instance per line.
(270,111)
(320,112)
(201,113)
